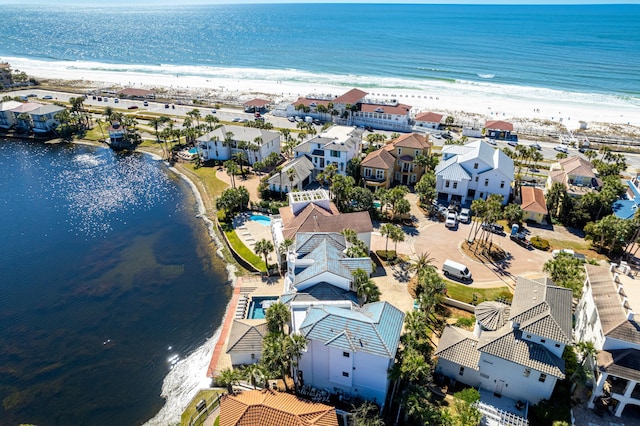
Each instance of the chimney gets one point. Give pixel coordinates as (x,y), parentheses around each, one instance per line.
(630,315)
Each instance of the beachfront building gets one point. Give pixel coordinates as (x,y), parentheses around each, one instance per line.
(351,351)
(514,351)
(268,407)
(116,135)
(533,204)
(500,130)
(244,345)
(294,176)
(7,117)
(22,117)
(43,119)
(354,108)
(472,171)
(6,79)
(134,93)
(396,162)
(257,105)
(627,205)
(576,174)
(337,145)
(226,141)
(428,120)
(606,317)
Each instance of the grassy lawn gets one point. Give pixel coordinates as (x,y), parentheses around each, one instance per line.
(243,250)
(465,293)
(206,394)
(207,176)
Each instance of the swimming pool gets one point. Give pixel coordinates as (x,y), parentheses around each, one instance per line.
(193,151)
(262,220)
(259,305)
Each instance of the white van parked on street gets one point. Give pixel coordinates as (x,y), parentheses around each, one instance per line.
(456,270)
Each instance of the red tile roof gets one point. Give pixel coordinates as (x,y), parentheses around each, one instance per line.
(313,218)
(533,200)
(352,97)
(429,117)
(130,91)
(257,102)
(308,102)
(499,125)
(400,109)
(412,140)
(379,159)
(271,408)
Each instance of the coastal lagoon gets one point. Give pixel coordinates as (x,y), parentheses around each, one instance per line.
(106,276)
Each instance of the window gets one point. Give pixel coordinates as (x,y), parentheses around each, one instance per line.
(380,174)
(461,372)
(367,172)
(335,154)
(543,341)
(399,151)
(502,184)
(345,354)
(486,182)
(417,152)
(526,372)
(455,185)
(475,166)
(345,374)
(446,184)
(476,178)
(484,376)
(542,378)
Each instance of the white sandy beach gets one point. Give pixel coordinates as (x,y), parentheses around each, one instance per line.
(482,100)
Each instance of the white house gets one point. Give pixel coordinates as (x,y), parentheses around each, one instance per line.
(351,351)
(21,113)
(224,142)
(245,341)
(428,120)
(7,117)
(43,119)
(606,317)
(337,145)
(472,171)
(296,174)
(514,351)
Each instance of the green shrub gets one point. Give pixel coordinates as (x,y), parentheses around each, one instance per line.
(505,297)
(540,243)
(222,216)
(386,255)
(465,322)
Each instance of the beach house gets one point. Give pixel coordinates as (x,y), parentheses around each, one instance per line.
(627,205)
(350,351)
(226,141)
(396,162)
(605,316)
(268,407)
(244,345)
(514,351)
(472,171)
(428,120)
(295,175)
(354,108)
(337,145)
(576,174)
(501,130)
(533,204)
(44,120)
(7,117)
(256,105)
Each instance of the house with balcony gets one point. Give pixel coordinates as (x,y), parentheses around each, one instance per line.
(395,162)
(472,171)
(576,174)
(44,120)
(500,130)
(337,145)
(428,120)
(350,351)
(354,108)
(514,351)
(7,117)
(226,141)
(294,176)
(533,204)
(21,114)
(606,317)
(256,105)
(627,205)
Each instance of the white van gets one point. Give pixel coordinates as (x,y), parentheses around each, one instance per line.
(456,270)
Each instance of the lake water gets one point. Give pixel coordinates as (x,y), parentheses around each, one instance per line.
(103,267)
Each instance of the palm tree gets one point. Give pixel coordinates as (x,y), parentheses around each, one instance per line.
(387,230)
(277,316)
(366,289)
(254,373)
(241,157)
(423,261)
(99,123)
(294,346)
(228,377)
(291,173)
(264,247)
(231,168)
(397,235)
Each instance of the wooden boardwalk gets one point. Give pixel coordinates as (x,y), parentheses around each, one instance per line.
(226,326)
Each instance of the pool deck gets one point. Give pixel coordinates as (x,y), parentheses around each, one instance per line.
(250,231)
(250,285)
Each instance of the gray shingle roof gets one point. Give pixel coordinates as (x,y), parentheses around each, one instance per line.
(303,167)
(246,337)
(492,315)
(544,309)
(320,293)
(375,328)
(307,241)
(507,344)
(458,346)
(621,363)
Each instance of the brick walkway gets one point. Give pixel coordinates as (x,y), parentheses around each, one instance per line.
(226,326)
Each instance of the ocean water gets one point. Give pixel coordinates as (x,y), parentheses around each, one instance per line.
(582,49)
(106,277)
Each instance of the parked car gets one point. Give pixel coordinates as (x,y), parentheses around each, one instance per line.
(368,128)
(536,146)
(236,120)
(116,100)
(291,119)
(561,148)
(452,220)
(512,143)
(213,111)
(166,105)
(447,136)
(491,142)
(520,239)
(464,216)
(145,103)
(317,122)
(48,97)
(456,270)
(494,228)
(244,120)
(133,107)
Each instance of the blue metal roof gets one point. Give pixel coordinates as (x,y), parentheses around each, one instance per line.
(375,328)
(626,209)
